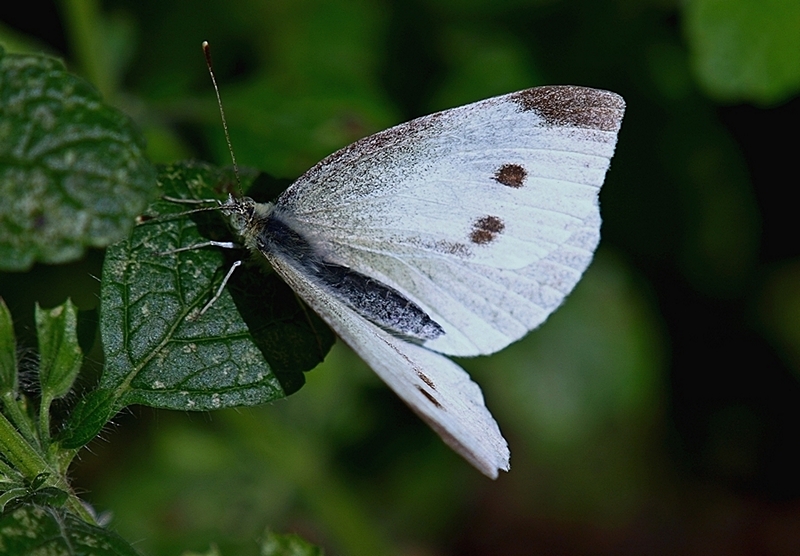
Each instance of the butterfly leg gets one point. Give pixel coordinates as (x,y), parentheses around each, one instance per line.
(223,244)
(208,305)
(234,266)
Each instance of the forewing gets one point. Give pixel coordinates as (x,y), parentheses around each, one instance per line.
(486,215)
(437,389)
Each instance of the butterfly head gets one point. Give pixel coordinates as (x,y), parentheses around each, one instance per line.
(245,215)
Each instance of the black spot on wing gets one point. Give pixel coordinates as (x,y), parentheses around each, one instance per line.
(426,379)
(569,106)
(512,175)
(486,229)
(431,399)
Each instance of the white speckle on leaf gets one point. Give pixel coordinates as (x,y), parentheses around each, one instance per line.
(162,355)
(251,357)
(216,402)
(158,385)
(189,402)
(44,117)
(194,315)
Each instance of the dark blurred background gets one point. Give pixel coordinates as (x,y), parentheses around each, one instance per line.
(657,412)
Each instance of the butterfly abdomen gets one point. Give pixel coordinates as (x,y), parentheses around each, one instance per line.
(372,299)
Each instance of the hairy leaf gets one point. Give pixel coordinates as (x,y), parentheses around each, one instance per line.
(88,418)
(60,355)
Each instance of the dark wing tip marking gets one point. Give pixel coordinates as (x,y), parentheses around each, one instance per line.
(512,175)
(486,229)
(430,397)
(571,106)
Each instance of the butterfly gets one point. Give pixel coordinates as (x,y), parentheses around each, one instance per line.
(453,234)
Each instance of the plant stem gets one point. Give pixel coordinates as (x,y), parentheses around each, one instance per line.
(85,31)
(28,461)
(7,471)
(20,453)
(44,419)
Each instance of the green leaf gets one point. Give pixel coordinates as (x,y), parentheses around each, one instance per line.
(88,418)
(34,529)
(39,480)
(48,496)
(250,347)
(73,173)
(11,495)
(59,352)
(8,352)
(16,494)
(745,50)
(276,544)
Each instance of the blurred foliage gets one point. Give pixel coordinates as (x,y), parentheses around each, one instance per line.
(657,412)
(745,50)
(74,172)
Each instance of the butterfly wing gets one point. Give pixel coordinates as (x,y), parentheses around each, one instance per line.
(485,215)
(437,389)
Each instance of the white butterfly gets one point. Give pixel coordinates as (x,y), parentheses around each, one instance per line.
(455,234)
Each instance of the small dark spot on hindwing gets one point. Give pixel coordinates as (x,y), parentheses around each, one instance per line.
(486,229)
(512,175)
(431,399)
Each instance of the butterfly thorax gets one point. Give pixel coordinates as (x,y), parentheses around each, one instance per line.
(247,218)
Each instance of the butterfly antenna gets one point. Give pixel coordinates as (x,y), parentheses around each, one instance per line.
(147,219)
(207,53)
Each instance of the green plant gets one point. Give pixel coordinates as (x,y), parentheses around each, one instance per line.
(74,176)
(654,387)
